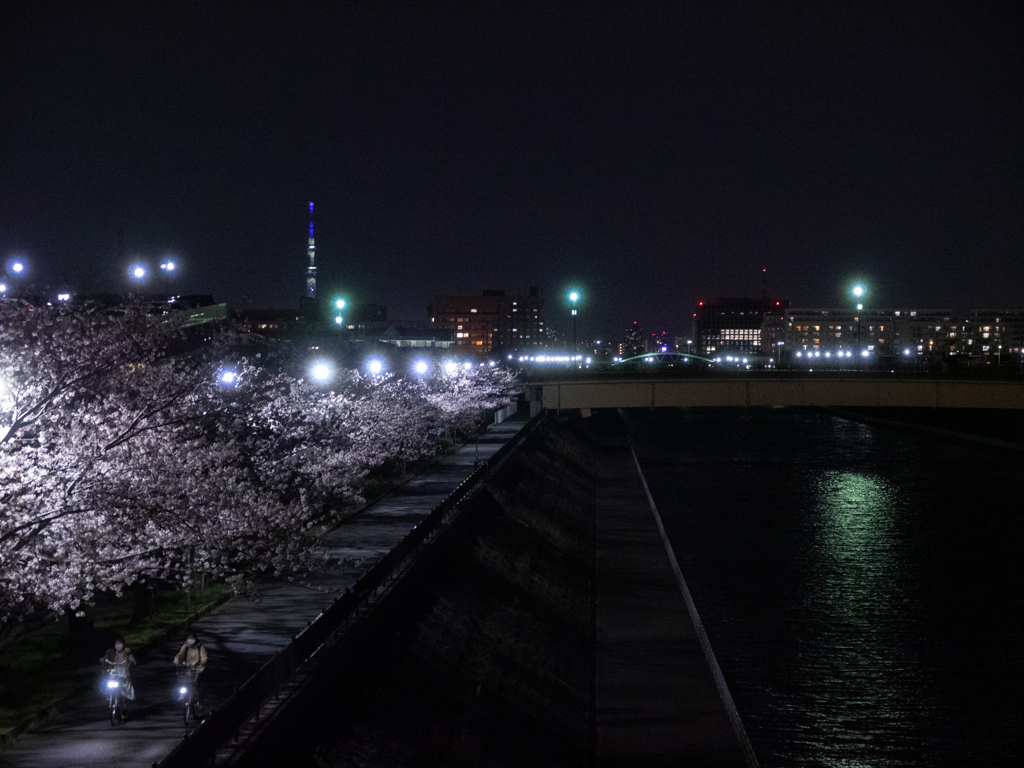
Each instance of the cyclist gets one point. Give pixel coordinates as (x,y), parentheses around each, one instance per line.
(120,661)
(192,654)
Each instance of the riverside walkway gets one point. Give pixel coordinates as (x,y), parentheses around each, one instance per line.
(658,702)
(243,633)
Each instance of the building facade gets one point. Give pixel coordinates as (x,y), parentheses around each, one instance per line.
(888,335)
(491,322)
(733,326)
(774,333)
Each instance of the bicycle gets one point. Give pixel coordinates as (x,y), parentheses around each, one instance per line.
(187,691)
(115,680)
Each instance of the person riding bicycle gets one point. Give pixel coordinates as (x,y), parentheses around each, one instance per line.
(119,661)
(192,655)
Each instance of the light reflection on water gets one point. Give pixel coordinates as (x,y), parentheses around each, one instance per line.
(853,566)
(861,588)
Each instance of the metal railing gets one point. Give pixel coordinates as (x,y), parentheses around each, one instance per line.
(247,702)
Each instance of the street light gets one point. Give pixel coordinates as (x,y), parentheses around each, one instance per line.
(574,297)
(16,270)
(320,371)
(859,291)
(167,266)
(137,272)
(339,304)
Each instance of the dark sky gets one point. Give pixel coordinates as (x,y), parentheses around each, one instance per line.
(652,154)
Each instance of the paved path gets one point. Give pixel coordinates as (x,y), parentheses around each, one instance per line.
(241,634)
(657,703)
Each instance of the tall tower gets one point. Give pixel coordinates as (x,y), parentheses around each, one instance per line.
(311,252)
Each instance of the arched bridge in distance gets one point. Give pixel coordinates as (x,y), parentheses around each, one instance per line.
(756,390)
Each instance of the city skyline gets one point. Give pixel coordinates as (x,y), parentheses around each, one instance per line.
(651,156)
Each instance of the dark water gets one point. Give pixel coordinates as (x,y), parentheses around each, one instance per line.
(861,588)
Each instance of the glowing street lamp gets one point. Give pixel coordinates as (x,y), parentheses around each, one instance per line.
(421,367)
(137,272)
(168,268)
(375,367)
(320,372)
(16,270)
(859,292)
(574,297)
(339,304)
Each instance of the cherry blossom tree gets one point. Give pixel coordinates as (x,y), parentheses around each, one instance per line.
(125,454)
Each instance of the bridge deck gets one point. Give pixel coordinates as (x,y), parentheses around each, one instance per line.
(771,391)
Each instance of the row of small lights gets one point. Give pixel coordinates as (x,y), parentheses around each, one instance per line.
(551,358)
(865,353)
(322,371)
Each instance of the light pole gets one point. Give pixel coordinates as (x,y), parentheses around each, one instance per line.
(138,273)
(167,266)
(339,304)
(16,270)
(574,297)
(859,291)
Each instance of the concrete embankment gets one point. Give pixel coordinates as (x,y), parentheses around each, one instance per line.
(543,628)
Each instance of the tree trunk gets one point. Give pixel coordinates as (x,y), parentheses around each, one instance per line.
(145,602)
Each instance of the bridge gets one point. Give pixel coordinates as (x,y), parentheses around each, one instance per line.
(757,391)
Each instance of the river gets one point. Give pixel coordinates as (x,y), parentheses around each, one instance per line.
(861,588)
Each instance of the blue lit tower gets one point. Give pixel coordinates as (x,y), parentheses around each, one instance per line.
(311,269)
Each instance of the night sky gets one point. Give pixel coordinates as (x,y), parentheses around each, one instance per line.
(651,154)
